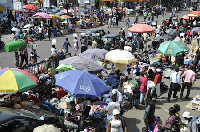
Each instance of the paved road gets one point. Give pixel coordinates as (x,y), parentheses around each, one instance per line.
(134,118)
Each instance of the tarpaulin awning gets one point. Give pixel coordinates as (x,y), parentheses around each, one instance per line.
(2,8)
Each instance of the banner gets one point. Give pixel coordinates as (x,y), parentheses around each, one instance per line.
(17,6)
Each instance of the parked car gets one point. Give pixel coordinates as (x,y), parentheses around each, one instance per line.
(21,120)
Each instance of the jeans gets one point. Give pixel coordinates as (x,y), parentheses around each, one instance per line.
(142,94)
(135,99)
(188,85)
(47,106)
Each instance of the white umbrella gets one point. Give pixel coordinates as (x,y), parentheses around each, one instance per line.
(178,39)
(46,128)
(120,56)
(28,25)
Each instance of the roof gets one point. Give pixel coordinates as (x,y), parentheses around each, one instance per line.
(30,113)
(5,117)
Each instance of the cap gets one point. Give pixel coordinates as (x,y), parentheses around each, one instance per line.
(158,70)
(187,114)
(115,112)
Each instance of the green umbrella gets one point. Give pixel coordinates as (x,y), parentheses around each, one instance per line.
(172,48)
(100,62)
(64,67)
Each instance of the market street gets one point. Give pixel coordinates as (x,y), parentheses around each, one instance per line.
(133,117)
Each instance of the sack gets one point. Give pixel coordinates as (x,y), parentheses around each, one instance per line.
(110,110)
(26,104)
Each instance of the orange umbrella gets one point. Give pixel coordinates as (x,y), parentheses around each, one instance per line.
(141,28)
(31,7)
(195,13)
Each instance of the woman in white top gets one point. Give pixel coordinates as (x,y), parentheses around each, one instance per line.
(116,124)
(113,104)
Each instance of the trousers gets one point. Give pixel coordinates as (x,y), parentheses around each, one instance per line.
(188,85)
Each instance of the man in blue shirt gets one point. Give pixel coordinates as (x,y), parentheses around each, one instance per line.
(66,44)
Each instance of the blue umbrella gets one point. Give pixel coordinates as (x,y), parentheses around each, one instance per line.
(81,84)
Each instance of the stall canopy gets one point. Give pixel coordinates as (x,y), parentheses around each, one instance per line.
(2,8)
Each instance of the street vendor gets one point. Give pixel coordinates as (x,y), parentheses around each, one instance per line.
(157,81)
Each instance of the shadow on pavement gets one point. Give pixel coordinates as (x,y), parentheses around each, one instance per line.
(132,124)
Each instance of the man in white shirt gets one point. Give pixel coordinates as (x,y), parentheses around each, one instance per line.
(40,32)
(175,84)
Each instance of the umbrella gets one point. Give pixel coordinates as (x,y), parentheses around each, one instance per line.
(81,84)
(96,54)
(120,56)
(172,32)
(59,13)
(27,26)
(83,63)
(178,39)
(166,37)
(65,17)
(192,15)
(64,67)
(13,80)
(197,13)
(100,62)
(31,7)
(172,48)
(65,11)
(141,28)
(46,128)
(185,17)
(42,15)
(195,29)
(54,16)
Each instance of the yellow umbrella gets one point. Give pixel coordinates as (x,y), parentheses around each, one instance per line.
(54,16)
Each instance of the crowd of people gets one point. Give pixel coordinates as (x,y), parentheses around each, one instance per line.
(144,77)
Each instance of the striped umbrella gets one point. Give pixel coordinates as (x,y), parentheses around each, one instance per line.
(13,80)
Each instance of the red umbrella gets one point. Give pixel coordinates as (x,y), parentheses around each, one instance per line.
(31,7)
(141,28)
(185,17)
(195,13)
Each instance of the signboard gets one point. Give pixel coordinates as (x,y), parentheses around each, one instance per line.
(17,6)
(46,3)
(81,5)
